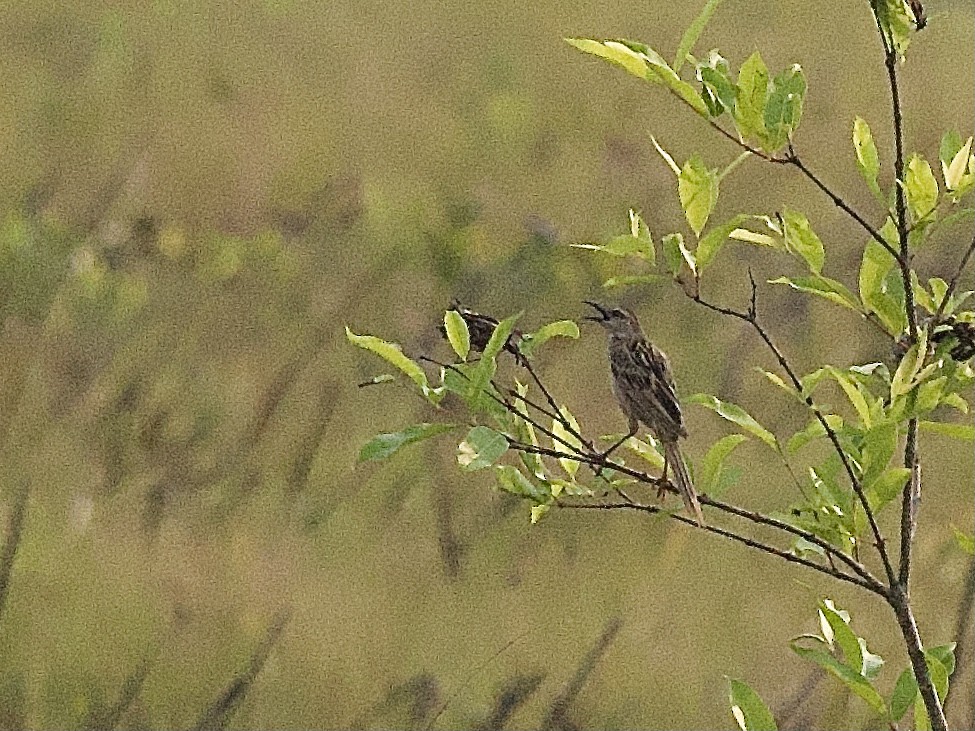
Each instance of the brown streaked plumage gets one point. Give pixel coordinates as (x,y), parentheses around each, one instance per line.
(481,327)
(644,386)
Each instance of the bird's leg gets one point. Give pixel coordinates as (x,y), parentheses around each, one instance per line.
(662,487)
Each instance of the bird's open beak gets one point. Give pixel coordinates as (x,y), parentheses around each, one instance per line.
(603,312)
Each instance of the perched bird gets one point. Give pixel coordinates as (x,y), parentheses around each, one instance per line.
(481,328)
(644,387)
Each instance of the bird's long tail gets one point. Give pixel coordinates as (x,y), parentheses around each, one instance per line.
(682,480)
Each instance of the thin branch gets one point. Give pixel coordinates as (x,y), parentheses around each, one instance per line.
(899,597)
(750,542)
(798,163)
(793,159)
(751,317)
(526,364)
(749,515)
(900,603)
(909,505)
(936,320)
(502,401)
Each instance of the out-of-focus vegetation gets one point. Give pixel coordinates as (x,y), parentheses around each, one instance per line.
(198,196)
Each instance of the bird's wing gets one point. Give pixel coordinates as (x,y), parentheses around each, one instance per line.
(660,381)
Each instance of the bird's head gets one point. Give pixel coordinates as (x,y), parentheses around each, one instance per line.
(616,320)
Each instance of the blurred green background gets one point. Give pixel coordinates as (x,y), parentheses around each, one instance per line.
(198,196)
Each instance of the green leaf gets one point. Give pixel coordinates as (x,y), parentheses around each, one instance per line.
(480,378)
(637,243)
(921,188)
(851,679)
(614,52)
(904,378)
(752,95)
(949,147)
(709,245)
(886,487)
(735,414)
(945,654)
(714,459)
(749,710)
(871,662)
(843,636)
(800,238)
(897,21)
(955,171)
(641,60)
(814,430)
(868,161)
(693,32)
(879,445)
(562,328)
(874,285)
(570,466)
(929,396)
(676,254)
(457,333)
(938,673)
(511,479)
(697,188)
(854,392)
(964,432)
(783,109)
(718,92)
(823,287)
(539,511)
(382,446)
(753,237)
(392,353)
(481,448)
(965,541)
(903,695)
(646,449)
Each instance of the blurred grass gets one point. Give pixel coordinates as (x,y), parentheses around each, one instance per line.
(225,186)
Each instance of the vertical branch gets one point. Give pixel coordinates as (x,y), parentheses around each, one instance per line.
(901,605)
(899,596)
(909,505)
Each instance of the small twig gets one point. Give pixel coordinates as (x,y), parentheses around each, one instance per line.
(910,499)
(899,597)
(793,159)
(751,318)
(936,320)
(798,163)
(750,542)
(752,516)
(526,364)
